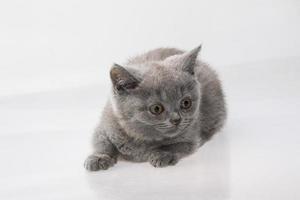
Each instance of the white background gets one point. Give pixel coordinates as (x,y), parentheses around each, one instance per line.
(54,63)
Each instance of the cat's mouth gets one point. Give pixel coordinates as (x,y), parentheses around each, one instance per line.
(175,130)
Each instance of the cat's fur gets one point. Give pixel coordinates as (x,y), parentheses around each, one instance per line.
(164,76)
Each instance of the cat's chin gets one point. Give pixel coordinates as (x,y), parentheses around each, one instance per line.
(175,131)
(172,134)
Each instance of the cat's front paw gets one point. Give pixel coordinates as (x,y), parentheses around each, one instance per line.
(99,162)
(163,159)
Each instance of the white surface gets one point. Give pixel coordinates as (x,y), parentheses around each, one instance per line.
(45,138)
(54,62)
(66,43)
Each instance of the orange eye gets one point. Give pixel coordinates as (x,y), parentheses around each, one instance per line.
(186,103)
(156,109)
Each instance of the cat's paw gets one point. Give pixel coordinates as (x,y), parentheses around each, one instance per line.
(99,162)
(163,159)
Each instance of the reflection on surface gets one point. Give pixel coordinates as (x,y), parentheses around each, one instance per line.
(203,175)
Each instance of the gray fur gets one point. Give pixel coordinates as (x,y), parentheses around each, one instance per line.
(193,110)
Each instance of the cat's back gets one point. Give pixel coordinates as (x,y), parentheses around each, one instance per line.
(158,54)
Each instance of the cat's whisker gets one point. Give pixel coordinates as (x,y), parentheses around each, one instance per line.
(165,127)
(162,125)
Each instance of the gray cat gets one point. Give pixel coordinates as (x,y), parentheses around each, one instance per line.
(164,105)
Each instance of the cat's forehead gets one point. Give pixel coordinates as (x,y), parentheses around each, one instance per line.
(167,92)
(166,84)
(158,75)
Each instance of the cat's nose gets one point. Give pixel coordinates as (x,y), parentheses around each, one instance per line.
(175,119)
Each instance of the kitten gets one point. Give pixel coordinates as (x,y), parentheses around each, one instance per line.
(164,105)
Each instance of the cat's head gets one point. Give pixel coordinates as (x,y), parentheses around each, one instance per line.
(166,97)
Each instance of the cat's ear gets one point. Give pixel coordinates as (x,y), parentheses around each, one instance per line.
(122,80)
(188,60)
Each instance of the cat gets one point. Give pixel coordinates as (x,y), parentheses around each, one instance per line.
(164,105)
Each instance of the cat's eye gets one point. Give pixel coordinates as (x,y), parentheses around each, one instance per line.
(156,109)
(186,103)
